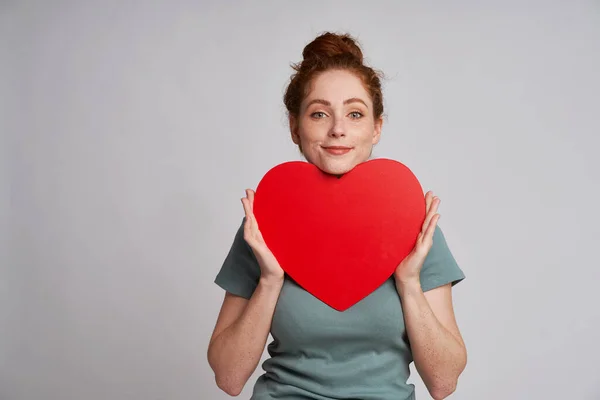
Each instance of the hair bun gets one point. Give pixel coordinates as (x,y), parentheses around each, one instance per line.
(331,45)
(331,51)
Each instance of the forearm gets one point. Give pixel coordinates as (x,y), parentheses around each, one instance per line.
(235,352)
(439,356)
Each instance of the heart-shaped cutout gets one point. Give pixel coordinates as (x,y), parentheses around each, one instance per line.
(340,238)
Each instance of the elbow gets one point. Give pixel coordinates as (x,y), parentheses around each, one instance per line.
(443,387)
(229,386)
(227,382)
(441,391)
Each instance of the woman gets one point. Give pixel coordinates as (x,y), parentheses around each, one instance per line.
(335,112)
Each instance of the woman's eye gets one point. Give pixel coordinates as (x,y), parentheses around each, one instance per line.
(356,114)
(318,114)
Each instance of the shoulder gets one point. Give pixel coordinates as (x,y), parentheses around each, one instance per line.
(440,266)
(240,272)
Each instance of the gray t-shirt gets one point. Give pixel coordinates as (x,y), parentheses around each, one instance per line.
(319,353)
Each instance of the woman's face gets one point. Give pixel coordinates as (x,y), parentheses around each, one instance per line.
(336,128)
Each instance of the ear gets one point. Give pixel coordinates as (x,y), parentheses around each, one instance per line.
(294,129)
(377,131)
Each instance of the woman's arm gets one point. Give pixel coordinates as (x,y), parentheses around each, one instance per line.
(438,349)
(437,346)
(240,335)
(243,326)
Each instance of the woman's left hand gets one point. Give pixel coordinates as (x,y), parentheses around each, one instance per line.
(410,268)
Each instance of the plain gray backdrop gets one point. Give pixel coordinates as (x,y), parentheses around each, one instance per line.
(130,130)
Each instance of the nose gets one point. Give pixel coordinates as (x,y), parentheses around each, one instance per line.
(337,129)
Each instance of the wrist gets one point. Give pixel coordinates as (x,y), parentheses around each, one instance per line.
(409,285)
(271,281)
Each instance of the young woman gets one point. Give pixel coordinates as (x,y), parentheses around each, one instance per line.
(335,109)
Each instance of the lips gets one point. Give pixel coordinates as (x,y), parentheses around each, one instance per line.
(337,150)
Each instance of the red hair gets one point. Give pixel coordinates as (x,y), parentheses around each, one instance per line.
(331,51)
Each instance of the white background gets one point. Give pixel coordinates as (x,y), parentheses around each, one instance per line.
(129,131)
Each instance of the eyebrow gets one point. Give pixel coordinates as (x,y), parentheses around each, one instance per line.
(347,101)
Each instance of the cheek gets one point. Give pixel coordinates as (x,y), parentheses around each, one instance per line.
(312,134)
(367,135)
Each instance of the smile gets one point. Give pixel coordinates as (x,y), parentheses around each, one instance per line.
(337,150)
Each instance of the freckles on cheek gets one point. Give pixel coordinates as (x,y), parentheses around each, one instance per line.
(309,138)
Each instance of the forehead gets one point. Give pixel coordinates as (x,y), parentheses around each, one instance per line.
(336,86)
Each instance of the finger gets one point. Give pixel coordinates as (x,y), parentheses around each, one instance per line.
(431,228)
(428,202)
(429,213)
(420,237)
(248,212)
(250,194)
(428,199)
(246,207)
(252,224)
(435,202)
(248,223)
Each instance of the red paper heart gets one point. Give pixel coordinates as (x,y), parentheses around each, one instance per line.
(340,238)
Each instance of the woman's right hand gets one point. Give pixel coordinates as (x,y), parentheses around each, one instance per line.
(269,266)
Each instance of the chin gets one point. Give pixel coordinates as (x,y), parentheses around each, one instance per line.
(336,168)
(334,165)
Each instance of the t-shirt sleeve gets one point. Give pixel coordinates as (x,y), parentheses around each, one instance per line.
(240,271)
(440,267)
